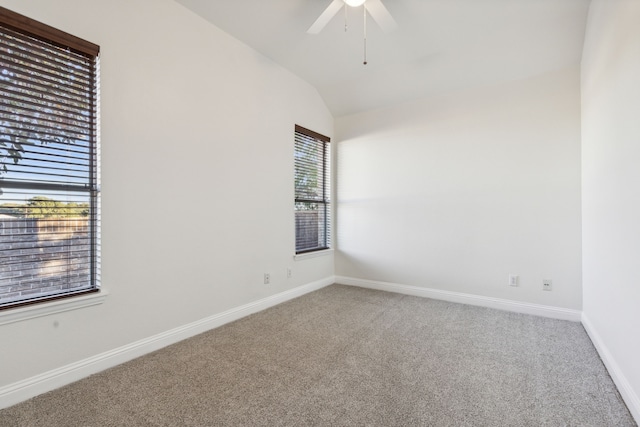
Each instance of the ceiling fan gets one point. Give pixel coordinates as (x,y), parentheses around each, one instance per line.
(376,9)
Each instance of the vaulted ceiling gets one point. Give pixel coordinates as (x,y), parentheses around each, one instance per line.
(438,46)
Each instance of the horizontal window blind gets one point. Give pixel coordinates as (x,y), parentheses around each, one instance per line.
(48,165)
(312,163)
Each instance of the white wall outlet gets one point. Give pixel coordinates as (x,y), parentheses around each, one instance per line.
(513,280)
(267,278)
(289,273)
(546,285)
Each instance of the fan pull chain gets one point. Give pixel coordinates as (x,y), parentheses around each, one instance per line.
(365,35)
(346,26)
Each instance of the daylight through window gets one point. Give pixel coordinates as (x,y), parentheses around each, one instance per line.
(312,191)
(48,163)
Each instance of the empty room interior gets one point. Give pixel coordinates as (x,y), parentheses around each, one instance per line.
(479,157)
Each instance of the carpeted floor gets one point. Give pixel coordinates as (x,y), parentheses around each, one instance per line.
(345,356)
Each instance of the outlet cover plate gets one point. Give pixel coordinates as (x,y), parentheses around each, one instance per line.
(513,280)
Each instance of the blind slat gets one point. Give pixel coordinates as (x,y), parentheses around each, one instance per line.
(51,72)
(27,48)
(28,83)
(45,99)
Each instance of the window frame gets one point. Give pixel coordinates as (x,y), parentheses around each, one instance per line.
(46,34)
(324,200)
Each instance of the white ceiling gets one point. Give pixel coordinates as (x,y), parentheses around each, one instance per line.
(439,45)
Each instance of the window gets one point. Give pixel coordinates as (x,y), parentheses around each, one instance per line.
(312,191)
(49,220)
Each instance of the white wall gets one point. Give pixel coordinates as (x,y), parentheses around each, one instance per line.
(611,189)
(455,193)
(197,179)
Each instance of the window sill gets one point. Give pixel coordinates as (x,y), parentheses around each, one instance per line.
(325,252)
(52,307)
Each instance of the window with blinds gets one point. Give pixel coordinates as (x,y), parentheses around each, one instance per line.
(312,160)
(49,215)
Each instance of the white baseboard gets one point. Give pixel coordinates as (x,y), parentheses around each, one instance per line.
(22,390)
(630,397)
(497,303)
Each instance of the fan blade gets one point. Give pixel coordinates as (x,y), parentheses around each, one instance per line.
(381,15)
(326,16)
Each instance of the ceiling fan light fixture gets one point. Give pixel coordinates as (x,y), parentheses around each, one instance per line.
(354,3)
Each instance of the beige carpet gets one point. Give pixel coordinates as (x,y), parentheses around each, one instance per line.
(346,356)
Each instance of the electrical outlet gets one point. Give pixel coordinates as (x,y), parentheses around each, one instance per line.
(267,278)
(513,280)
(546,285)
(289,273)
